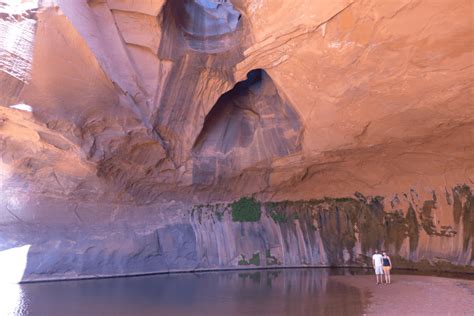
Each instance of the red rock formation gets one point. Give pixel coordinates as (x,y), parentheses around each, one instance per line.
(137,103)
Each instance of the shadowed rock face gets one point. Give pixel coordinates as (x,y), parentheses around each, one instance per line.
(117,116)
(97,239)
(205,18)
(249,124)
(208,26)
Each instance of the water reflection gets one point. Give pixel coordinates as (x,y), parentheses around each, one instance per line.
(12,300)
(269,292)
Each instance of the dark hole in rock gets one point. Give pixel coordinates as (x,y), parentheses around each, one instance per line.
(254,77)
(232,121)
(252,122)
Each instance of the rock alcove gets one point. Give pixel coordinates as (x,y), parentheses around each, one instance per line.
(138,140)
(208,26)
(251,123)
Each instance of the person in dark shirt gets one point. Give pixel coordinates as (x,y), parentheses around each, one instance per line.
(387,266)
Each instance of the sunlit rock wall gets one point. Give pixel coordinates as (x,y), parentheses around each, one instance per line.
(117,117)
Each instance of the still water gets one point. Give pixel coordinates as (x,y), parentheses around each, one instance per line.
(266,292)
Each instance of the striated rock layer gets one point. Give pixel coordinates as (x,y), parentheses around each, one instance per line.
(118,117)
(97,239)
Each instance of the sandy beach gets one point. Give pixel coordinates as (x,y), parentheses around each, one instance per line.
(415,295)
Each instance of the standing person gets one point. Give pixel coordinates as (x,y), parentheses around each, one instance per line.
(377,263)
(387,266)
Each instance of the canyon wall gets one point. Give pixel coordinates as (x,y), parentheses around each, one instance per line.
(127,129)
(97,239)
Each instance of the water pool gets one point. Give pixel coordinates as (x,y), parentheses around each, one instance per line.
(253,292)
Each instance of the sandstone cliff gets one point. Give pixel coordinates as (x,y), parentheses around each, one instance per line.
(118,117)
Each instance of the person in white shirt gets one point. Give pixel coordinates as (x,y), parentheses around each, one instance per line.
(377,262)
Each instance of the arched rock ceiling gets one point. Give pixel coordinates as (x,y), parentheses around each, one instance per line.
(362,95)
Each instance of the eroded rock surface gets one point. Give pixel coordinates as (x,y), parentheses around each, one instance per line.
(117,116)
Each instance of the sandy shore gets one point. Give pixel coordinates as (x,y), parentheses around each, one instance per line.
(415,295)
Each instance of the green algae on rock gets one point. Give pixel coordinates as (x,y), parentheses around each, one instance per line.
(246,210)
(340,231)
(255,260)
